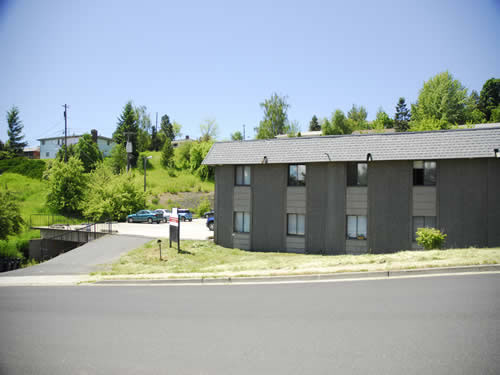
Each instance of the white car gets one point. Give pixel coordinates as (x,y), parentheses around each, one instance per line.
(165,213)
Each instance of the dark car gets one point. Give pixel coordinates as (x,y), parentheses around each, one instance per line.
(211,222)
(208,214)
(184,214)
(145,216)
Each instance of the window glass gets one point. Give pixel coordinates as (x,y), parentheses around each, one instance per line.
(351,226)
(292,224)
(238,221)
(430,222)
(301,173)
(47,154)
(301,224)
(239,176)
(430,173)
(246,222)
(292,175)
(246,177)
(352,174)
(362,226)
(362,174)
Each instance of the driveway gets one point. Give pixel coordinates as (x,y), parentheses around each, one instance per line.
(195,230)
(84,259)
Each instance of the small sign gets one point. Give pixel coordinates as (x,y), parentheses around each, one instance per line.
(174,228)
(129,148)
(174,217)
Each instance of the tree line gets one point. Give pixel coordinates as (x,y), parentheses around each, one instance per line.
(443,103)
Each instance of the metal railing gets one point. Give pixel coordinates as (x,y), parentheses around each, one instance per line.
(84,233)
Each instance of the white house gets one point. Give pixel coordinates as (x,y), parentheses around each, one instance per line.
(50,146)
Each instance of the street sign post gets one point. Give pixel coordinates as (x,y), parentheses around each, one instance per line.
(175,228)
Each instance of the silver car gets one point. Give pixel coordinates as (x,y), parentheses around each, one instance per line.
(165,213)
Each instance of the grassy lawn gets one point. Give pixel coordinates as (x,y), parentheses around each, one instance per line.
(205,259)
(160,180)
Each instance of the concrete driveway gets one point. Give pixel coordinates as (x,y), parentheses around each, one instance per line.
(84,259)
(195,230)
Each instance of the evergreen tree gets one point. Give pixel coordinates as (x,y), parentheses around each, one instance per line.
(490,97)
(155,140)
(314,124)
(167,128)
(237,136)
(127,123)
(167,153)
(16,144)
(402,116)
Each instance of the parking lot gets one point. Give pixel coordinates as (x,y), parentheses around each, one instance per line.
(195,230)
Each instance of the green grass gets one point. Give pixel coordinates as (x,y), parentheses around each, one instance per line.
(160,180)
(205,259)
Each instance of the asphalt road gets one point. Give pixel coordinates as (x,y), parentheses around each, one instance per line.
(431,325)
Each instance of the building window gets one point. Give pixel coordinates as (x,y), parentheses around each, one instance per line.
(242,175)
(47,154)
(43,143)
(242,222)
(357,174)
(108,142)
(422,222)
(296,224)
(356,227)
(424,173)
(297,175)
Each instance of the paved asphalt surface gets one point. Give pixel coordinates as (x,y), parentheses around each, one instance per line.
(428,325)
(84,259)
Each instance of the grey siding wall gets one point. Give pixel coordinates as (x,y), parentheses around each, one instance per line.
(269,183)
(326,201)
(295,244)
(241,241)
(356,247)
(224,184)
(296,200)
(463,201)
(389,201)
(357,200)
(493,202)
(424,201)
(242,198)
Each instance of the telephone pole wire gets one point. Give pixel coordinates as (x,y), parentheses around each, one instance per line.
(66,132)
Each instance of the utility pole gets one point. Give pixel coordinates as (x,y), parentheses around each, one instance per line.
(129,148)
(66,132)
(243,131)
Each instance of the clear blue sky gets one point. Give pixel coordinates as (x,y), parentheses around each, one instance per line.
(199,59)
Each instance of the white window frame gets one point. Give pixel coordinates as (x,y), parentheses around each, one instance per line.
(242,175)
(295,225)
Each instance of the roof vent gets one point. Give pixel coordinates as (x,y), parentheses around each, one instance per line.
(369,157)
(264,160)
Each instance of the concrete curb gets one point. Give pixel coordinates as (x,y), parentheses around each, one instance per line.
(299,278)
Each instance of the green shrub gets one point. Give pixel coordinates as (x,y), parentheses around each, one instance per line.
(203,207)
(11,221)
(155,201)
(430,238)
(167,153)
(27,167)
(9,249)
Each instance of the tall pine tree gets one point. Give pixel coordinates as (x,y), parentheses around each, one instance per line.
(167,128)
(314,124)
(127,123)
(402,116)
(16,144)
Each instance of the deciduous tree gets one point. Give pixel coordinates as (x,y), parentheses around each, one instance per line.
(208,130)
(11,221)
(275,119)
(237,136)
(490,97)
(67,184)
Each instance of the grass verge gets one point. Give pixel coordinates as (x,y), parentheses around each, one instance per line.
(205,259)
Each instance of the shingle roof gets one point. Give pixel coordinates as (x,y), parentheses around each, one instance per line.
(446,144)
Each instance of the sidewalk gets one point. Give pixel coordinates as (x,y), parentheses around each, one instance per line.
(166,279)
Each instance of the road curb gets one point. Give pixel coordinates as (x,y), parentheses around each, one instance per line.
(299,278)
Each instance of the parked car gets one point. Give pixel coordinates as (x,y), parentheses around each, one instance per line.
(145,216)
(184,214)
(208,214)
(211,223)
(165,214)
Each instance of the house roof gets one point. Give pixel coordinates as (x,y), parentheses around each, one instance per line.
(73,136)
(445,144)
